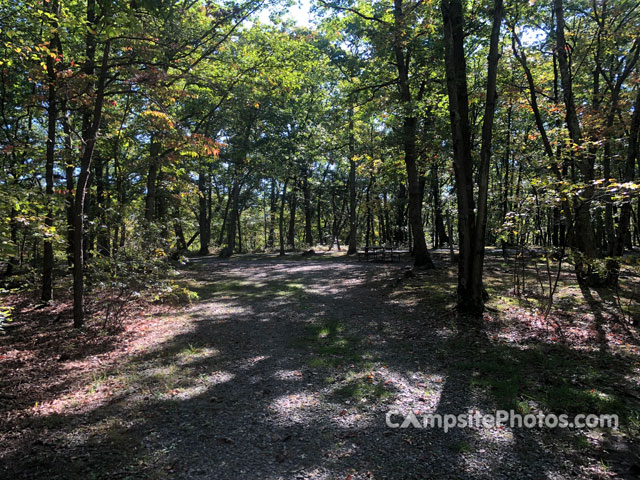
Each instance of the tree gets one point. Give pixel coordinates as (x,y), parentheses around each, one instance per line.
(471,224)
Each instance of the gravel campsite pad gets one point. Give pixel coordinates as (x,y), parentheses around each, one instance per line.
(285,369)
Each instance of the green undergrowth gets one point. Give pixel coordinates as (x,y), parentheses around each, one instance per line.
(249,289)
(332,349)
(553,378)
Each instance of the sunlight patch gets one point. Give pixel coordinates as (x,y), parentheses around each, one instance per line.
(252,362)
(288,375)
(295,408)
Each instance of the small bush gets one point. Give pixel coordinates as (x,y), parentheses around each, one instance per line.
(174,294)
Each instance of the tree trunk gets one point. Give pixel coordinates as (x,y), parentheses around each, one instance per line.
(308,212)
(281,220)
(293,203)
(369,214)
(273,206)
(70,184)
(471,229)
(409,130)
(485,152)
(52,101)
(179,232)
(633,154)
(239,231)
(225,216)
(89,140)
(102,238)
(203,218)
(399,236)
(353,243)
(583,237)
(152,179)
(228,250)
(440,237)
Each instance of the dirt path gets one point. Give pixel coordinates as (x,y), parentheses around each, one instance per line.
(284,369)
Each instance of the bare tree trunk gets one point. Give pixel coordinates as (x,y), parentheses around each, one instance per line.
(399,236)
(70,184)
(225,216)
(369,214)
(409,130)
(485,151)
(89,138)
(232,222)
(47,258)
(583,237)
(282,204)
(273,205)
(471,228)
(440,237)
(308,212)
(152,179)
(239,231)
(353,225)
(293,203)
(102,237)
(633,154)
(203,219)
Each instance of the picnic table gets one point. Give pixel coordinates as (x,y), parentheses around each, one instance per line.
(381,253)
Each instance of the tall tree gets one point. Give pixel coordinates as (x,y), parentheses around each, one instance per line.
(471,225)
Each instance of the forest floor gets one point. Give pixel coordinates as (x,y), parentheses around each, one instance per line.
(284,368)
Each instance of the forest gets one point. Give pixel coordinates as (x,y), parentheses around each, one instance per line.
(234,236)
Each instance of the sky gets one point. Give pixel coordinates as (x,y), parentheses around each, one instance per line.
(298,12)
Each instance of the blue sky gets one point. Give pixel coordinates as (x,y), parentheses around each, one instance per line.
(298,12)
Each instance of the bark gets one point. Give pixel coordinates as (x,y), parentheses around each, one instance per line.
(582,236)
(613,245)
(459,118)
(203,219)
(225,215)
(399,236)
(308,212)
(232,221)
(440,236)
(319,223)
(52,101)
(273,206)
(471,227)
(293,204)
(89,139)
(485,151)
(103,236)
(239,231)
(13,228)
(369,213)
(409,130)
(282,204)
(152,180)
(179,232)
(70,184)
(353,225)
(633,154)
(387,222)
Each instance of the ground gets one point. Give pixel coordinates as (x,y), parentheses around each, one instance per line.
(284,368)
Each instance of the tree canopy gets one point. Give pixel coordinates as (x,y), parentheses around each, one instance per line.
(138,131)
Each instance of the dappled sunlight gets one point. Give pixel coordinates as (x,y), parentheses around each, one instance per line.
(297,407)
(194,353)
(250,363)
(285,369)
(419,392)
(288,375)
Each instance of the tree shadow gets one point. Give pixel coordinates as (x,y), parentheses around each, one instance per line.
(286,369)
